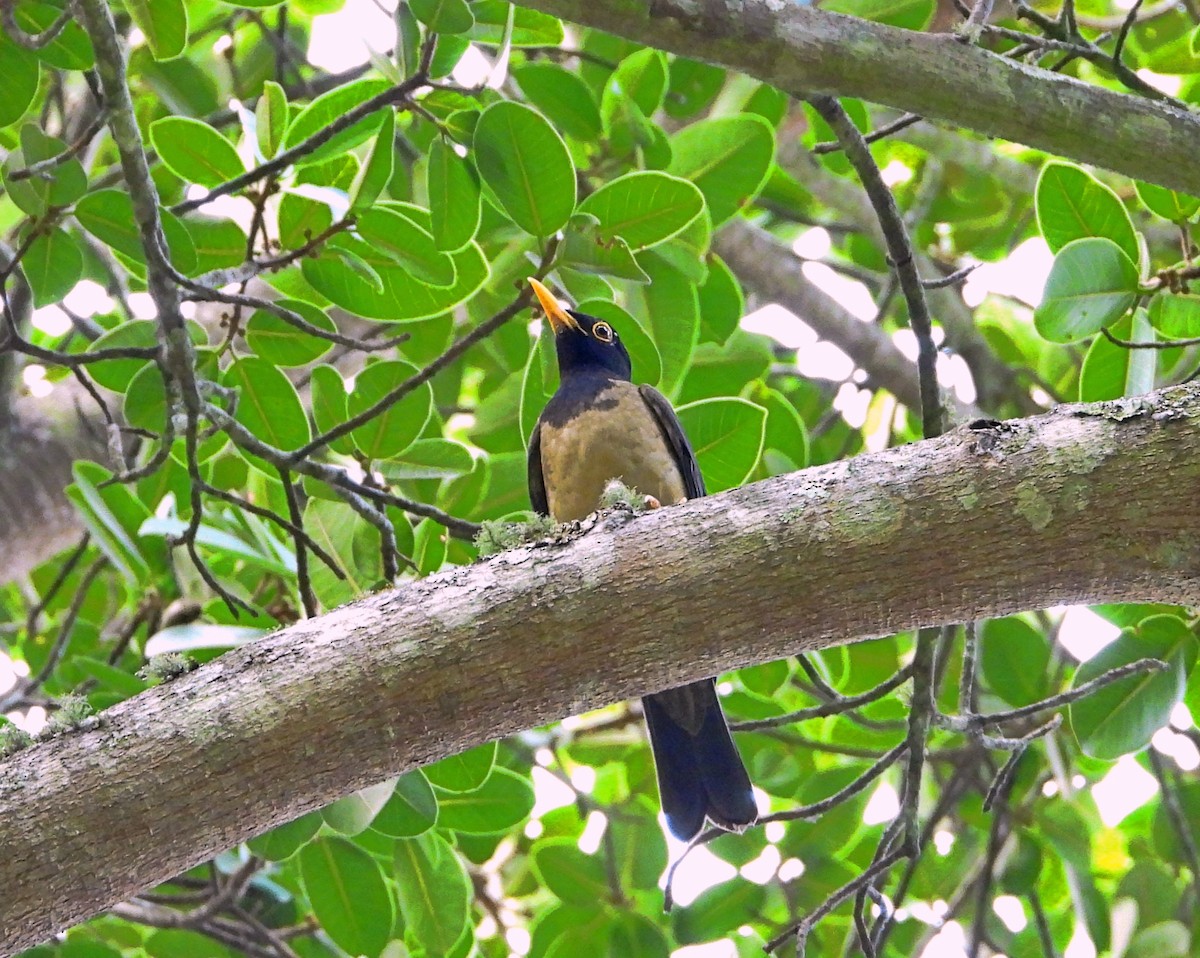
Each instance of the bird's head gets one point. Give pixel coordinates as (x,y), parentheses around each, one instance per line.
(583,343)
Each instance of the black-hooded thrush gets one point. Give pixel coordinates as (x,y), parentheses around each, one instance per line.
(597,427)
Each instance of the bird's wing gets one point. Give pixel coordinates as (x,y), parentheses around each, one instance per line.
(681,449)
(537,481)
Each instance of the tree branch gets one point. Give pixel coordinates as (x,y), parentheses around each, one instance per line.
(1080,505)
(806,51)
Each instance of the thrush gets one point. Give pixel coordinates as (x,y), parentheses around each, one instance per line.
(598,426)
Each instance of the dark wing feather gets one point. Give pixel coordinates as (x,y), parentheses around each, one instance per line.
(681,449)
(537,481)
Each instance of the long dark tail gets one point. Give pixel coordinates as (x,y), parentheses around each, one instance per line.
(700,773)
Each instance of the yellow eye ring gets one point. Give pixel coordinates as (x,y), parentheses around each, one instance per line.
(603,332)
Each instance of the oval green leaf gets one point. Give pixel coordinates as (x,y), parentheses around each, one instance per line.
(412,810)
(465,771)
(1092,284)
(409,245)
(267,403)
(329,107)
(164,24)
(1122,717)
(348,894)
(1015,660)
(1176,207)
(435,892)
(562,96)
(53,264)
(279,342)
(504,800)
(394,429)
(644,208)
(727,436)
(728,158)
(1072,204)
(443,16)
(454,197)
(194,151)
(526,164)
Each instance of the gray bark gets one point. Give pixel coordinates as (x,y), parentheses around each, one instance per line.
(1080,505)
(806,51)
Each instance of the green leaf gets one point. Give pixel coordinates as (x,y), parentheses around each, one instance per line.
(1105,367)
(644,208)
(721,302)
(348,894)
(1143,363)
(20,70)
(1014,660)
(102,512)
(728,158)
(530,28)
(281,343)
(412,810)
(301,219)
(376,172)
(1176,315)
(408,41)
(164,23)
(640,78)
(219,243)
(1167,939)
(1123,717)
(562,97)
(329,404)
(70,50)
(408,244)
(197,635)
(727,436)
(504,800)
(342,533)
(59,186)
(354,813)
(267,403)
(434,458)
(673,311)
(331,106)
(403,296)
(574,877)
(443,16)
(271,118)
(905,14)
(527,166)
(435,892)
(1176,207)
(465,771)
(1092,284)
(1072,204)
(53,264)
(584,249)
(194,151)
(693,86)
(283,841)
(145,401)
(454,197)
(108,216)
(394,429)
(717,912)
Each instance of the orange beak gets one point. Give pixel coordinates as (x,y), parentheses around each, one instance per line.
(560,319)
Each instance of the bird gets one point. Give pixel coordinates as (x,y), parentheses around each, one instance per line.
(598,426)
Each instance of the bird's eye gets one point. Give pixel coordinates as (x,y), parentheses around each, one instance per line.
(603,332)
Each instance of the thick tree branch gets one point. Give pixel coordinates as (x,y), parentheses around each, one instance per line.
(1080,505)
(806,51)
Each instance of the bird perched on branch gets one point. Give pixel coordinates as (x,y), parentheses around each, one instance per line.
(598,427)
